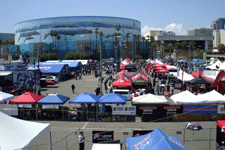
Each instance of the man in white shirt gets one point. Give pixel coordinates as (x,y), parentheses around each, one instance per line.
(81,140)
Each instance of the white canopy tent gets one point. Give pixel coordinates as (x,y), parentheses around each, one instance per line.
(5,96)
(18,134)
(185,97)
(186,77)
(213,66)
(107,146)
(212,97)
(149,99)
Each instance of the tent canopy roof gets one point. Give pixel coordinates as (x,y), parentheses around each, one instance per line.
(112,98)
(155,140)
(85,98)
(199,80)
(149,99)
(5,96)
(17,134)
(27,98)
(53,98)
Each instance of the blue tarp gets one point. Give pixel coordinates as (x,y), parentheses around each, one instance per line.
(112,98)
(156,140)
(85,98)
(53,98)
(51,69)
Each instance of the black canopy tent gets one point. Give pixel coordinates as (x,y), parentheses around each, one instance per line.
(124,75)
(139,71)
(140,82)
(199,82)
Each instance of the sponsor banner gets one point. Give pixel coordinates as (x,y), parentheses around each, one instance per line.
(221,109)
(124,110)
(137,133)
(173,109)
(200,109)
(9,109)
(101,136)
(148,109)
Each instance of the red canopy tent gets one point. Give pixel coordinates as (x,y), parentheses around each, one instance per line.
(195,74)
(159,68)
(164,65)
(121,72)
(220,131)
(155,62)
(27,98)
(122,66)
(122,83)
(162,71)
(148,68)
(139,75)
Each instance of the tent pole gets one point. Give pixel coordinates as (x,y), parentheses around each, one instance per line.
(50,133)
(62,114)
(36,112)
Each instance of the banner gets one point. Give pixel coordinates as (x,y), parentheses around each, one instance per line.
(137,133)
(221,109)
(124,110)
(173,109)
(148,109)
(200,109)
(101,136)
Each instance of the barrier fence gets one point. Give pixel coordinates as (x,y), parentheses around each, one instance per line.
(204,139)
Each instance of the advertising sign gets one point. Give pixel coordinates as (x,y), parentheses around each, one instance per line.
(124,110)
(137,133)
(148,109)
(173,109)
(221,109)
(101,136)
(200,109)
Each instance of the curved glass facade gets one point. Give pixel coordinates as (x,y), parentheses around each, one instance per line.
(74,33)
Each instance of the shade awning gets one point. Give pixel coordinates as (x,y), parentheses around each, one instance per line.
(199,80)
(122,82)
(5,96)
(18,134)
(27,98)
(53,99)
(85,98)
(112,98)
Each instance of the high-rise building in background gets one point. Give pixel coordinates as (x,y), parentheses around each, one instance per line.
(218,24)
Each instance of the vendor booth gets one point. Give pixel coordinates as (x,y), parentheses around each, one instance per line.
(220,135)
(122,82)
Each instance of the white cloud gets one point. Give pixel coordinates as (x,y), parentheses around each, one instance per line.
(177,28)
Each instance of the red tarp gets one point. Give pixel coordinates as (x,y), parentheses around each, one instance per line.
(220,123)
(162,71)
(139,75)
(121,72)
(197,73)
(122,83)
(27,98)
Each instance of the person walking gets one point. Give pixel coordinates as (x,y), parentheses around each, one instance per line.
(172,89)
(81,140)
(73,87)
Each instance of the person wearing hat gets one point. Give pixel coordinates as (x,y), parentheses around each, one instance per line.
(81,140)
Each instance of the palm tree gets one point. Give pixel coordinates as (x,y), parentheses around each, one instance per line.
(154,44)
(177,46)
(96,32)
(101,35)
(52,35)
(58,38)
(192,44)
(170,46)
(163,47)
(127,51)
(116,35)
(90,32)
(183,45)
(55,34)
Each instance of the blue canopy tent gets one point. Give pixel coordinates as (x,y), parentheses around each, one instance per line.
(53,99)
(112,98)
(58,69)
(86,98)
(156,140)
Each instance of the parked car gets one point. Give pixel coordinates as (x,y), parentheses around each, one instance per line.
(50,78)
(124,92)
(17,90)
(49,82)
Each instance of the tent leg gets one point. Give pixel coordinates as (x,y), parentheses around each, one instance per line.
(50,134)
(36,113)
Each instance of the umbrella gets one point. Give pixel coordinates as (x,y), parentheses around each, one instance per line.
(162,85)
(194,126)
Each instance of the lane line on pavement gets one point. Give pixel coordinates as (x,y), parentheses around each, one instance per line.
(85,125)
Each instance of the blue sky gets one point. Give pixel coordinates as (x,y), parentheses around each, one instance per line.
(169,15)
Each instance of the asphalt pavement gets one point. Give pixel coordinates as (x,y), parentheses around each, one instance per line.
(197,140)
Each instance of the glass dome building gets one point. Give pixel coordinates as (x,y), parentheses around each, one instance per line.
(75,34)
